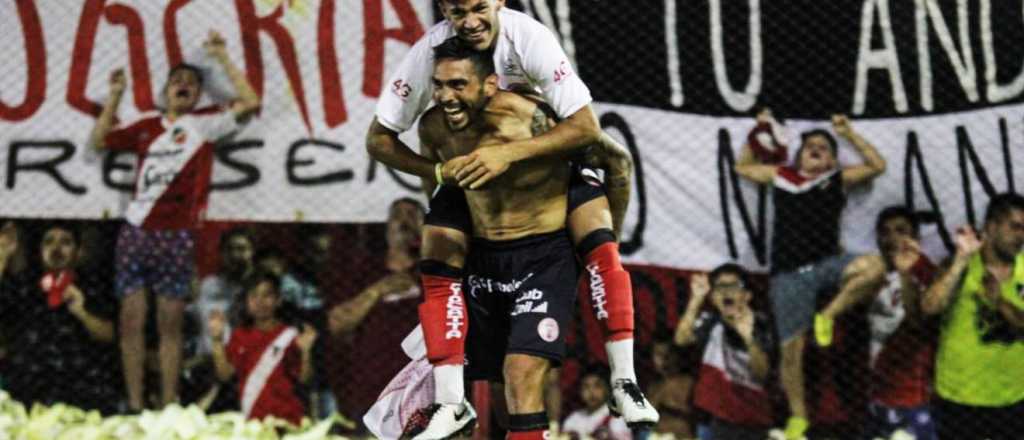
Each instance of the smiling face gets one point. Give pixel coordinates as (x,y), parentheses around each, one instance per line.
(816,155)
(183,89)
(475,21)
(58,249)
(460,92)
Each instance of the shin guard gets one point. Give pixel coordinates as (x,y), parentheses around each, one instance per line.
(443,313)
(607,284)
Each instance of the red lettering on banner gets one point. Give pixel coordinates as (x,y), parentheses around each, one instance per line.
(335,112)
(251,26)
(376,34)
(171,41)
(35,57)
(81,57)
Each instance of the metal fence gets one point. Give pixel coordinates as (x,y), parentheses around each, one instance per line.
(934,86)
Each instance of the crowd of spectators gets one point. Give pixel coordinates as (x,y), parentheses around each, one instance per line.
(286,325)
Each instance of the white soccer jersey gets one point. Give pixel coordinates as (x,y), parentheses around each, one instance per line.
(174,165)
(598,424)
(525,53)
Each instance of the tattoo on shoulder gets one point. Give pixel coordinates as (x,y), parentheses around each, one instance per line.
(540,123)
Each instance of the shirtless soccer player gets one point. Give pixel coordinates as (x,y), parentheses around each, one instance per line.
(520,250)
(529,57)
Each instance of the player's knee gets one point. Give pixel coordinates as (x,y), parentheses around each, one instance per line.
(524,378)
(589,217)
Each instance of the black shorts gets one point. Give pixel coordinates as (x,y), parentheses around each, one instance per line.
(521,295)
(584,185)
(448,208)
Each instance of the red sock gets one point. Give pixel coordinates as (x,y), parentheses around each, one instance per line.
(443,314)
(539,434)
(608,286)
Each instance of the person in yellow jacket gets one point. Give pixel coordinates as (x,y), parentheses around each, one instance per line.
(979,370)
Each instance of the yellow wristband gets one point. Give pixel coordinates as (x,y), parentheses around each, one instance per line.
(437,173)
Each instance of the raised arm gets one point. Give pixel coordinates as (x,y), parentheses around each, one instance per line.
(105,122)
(874,163)
(305,342)
(748,167)
(100,330)
(221,366)
(938,296)
(248,101)
(345,317)
(699,289)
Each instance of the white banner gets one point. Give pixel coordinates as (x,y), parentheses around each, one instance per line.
(685,224)
(320,65)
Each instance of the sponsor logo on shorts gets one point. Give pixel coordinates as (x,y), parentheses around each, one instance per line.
(455,316)
(548,329)
(597,293)
(530,302)
(491,286)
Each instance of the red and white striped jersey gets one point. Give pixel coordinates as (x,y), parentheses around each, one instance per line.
(175,161)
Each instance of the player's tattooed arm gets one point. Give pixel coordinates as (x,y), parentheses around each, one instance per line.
(617,163)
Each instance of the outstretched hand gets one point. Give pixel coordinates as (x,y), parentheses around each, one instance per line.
(967,241)
(841,125)
(215,45)
(117,81)
(699,286)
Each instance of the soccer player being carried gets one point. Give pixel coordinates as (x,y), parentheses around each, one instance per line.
(524,54)
(155,248)
(521,271)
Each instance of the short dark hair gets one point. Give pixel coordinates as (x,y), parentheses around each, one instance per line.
(410,201)
(455,49)
(189,67)
(732,268)
(251,283)
(237,231)
(260,277)
(269,252)
(1000,206)
(898,211)
(600,370)
(67,225)
(832,144)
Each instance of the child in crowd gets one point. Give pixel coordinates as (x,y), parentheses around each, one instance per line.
(270,358)
(594,420)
